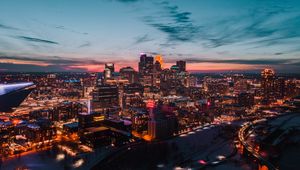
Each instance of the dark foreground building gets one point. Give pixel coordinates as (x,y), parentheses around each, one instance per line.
(12,95)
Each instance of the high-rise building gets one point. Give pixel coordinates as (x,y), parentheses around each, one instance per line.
(132,95)
(146,70)
(280,88)
(105,96)
(181,65)
(157,66)
(291,88)
(161,124)
(158,58)
(130,74)
(145,64)
(110,66)
(157,74)
(267,85)
(109,70)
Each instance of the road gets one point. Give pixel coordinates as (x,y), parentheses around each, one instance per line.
(244,132)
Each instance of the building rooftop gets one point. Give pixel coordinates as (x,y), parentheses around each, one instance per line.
(97,129)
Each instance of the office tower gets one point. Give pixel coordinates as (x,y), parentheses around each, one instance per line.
(104,97)
(146,70)
(291,88)
(267,85)
(145,64)
(109,70)
(142,63)
(130,74)
(157,67)
(280,88)
(159,59)
(157,74)
(161,124)
(110,66)
(133,95)
(181,65)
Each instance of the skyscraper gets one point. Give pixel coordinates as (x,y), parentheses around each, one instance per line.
(267,85)
(181,65)
(145,64)
(146,69)
(129,73)
(109,70)
(158,58)
(280,88)
(105,97)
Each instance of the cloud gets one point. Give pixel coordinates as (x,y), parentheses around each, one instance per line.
(127,1)
(8,27)
(151,53)
(87,44)
(68,29)
(295,62)
(50,63)
(261,27)
(175,24)
(53,60)
(278,53)
(60,27)
(256,27)
(11,67)
(38,40)
(142,39)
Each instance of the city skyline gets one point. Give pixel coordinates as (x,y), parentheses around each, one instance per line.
(208,35)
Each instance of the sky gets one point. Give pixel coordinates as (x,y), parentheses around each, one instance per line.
(211,35)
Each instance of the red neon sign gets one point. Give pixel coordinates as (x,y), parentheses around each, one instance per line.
(150,104)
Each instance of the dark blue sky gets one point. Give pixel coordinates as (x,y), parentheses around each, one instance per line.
(57,35)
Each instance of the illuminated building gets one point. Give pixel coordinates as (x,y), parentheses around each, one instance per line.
(280,88)
(267,85)
(291,88)
(12,95)
(132,95)
(39,131)
(241,85)
(130,74)
(217,87)
(86,120)
(181,65)
(159,59)
(161,125)
(104,97)
(107,73)
(145,64)
(157,67)
(70,127)
(96,136)
(192,81)
(110,66)
(146,70)
(157,74)
(109,70)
